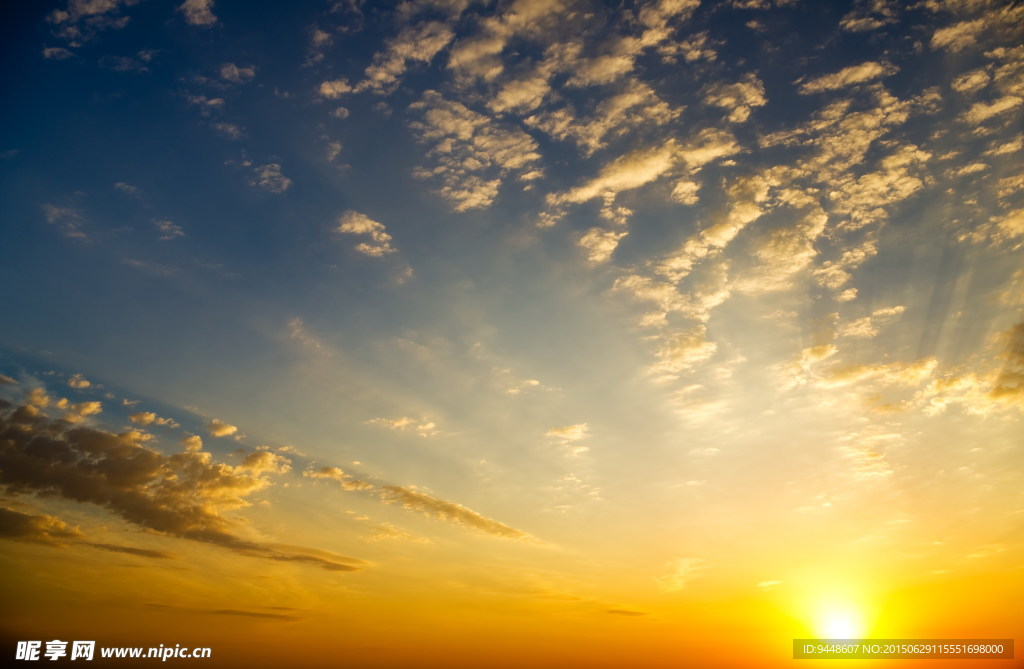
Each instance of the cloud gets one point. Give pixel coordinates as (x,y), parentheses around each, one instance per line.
(958,36)
(355,223)
(130,550)
(76,413)
(269,178)
(739,97)
(38,528)
(424,428)
(6,379)
(848,76)
(682,572)
(569,433)
(868,15)
(332,90)
(345,480)
(479,55)
(982,111)
(971,82)
(633,106)
(81,20)
(472,154)
(205,104)
(262,461)
(217,428)
(137,63)
(626,172)
(1007,229)
(184,494)
(866,455)
(451,512)
(78,382)
(680,352)
(893,373)
(168,230)
(57,53)
(147,418)
(198,12)
(867,326)
(66,219)
(416,43)
(600,244)
(237,75)
(1009,385)
(298,332)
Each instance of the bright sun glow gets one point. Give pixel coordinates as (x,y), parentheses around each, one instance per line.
(840,623)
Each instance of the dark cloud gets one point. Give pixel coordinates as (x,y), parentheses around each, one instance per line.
(141,552)
(39,528)
(253,614)
(1010,384)
(183,494)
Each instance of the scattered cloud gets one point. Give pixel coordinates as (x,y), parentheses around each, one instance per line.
(269,178)
(168,230)
(471,153)
(66,219)
(415,43)
(57,53)
(198,12)
(218,428)
(355,223)
(147,418)
(332,90)
(237,75)
(451,512)
(78,382)
(868,15)
(958,36)
(848,76)
(424,428)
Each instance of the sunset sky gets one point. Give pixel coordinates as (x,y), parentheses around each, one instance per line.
(529,333)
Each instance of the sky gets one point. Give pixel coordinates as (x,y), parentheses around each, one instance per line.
(549,333)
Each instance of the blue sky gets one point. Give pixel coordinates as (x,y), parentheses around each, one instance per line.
(680,272)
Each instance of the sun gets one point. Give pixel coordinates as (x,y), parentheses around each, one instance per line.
(839,621)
